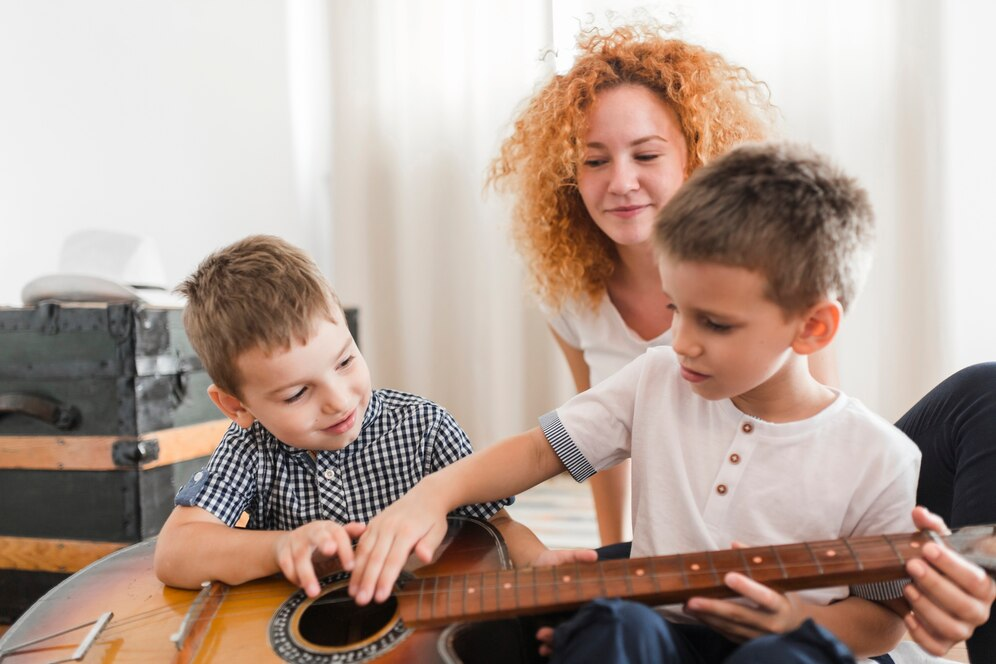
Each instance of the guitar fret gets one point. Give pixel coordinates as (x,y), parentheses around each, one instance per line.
(778,559)
(435,596)
(449,598)
(901,557)
(712,568)
(466,585)
(480,595)
(854,555)
(421,598)
(681,568)
(517,589)
(819,566)
(746,565)
(535,589)
(654,575)
(628,576)
(601,582)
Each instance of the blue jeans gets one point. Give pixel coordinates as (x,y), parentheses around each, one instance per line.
(617,631)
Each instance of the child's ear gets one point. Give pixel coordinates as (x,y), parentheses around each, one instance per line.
(819,326)
(231,406)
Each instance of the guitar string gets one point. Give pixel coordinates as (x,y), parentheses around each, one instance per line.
(237,595)
(247,592)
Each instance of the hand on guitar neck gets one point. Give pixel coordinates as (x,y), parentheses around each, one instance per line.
(949,595)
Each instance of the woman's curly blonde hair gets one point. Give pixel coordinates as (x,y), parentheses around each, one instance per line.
(718,106)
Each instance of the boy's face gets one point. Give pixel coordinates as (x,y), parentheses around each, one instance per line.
(730,339)
(312,396)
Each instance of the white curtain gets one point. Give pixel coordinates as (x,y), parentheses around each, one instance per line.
(423,92)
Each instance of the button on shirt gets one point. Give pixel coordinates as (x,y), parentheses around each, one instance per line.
(403,438)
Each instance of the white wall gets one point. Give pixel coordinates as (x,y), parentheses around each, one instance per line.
(169,119)
(180,120)
(968,308)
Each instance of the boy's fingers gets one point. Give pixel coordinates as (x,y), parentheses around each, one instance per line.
(939,624)
(924,519)
(953,583)
(963,572)
(924,638)
(425,547)
(394,562)
(764,596)
(344,547)
(369,561)
(719,615)
(305,571)
(354,529)
(545,634)
(286,563)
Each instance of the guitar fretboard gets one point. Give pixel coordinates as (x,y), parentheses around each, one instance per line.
(658,580)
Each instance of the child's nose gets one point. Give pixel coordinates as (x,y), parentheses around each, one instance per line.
(683,340)
(334,399)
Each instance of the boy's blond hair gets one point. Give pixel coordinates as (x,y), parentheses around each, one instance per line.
(258,292)
(779,209)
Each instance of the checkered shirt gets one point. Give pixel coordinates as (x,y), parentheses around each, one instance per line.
(403,438)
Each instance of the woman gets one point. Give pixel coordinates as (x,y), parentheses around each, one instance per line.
(594,156)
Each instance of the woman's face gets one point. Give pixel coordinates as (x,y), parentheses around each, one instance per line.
(635,156)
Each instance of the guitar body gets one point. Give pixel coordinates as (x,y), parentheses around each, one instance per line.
(264,620)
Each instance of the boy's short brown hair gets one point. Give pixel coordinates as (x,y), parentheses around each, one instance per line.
(779,209)
(258,292)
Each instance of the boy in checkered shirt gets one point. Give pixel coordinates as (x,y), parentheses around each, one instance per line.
(313,451)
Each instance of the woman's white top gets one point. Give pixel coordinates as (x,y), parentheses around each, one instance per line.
(602,335)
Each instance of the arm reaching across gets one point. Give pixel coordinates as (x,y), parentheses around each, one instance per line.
(236,555)
(417,521)
(526,550)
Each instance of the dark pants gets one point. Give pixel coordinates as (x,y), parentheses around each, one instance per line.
(612,630)
(955,428)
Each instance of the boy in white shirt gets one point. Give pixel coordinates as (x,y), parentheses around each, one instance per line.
(732,439)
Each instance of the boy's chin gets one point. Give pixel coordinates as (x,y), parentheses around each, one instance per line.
(710,393)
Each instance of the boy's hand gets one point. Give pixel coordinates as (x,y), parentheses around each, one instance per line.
(545,637)
(774,612)
(295,549)
(949,596)
(412,523)
(552,557)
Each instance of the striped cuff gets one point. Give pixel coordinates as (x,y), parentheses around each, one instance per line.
(564,447)
(881,591)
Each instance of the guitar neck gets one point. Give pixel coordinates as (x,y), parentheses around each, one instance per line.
(658,580)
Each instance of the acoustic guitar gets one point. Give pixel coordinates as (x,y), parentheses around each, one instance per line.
(116,610)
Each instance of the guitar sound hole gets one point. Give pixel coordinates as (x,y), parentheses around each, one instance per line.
(335,621)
